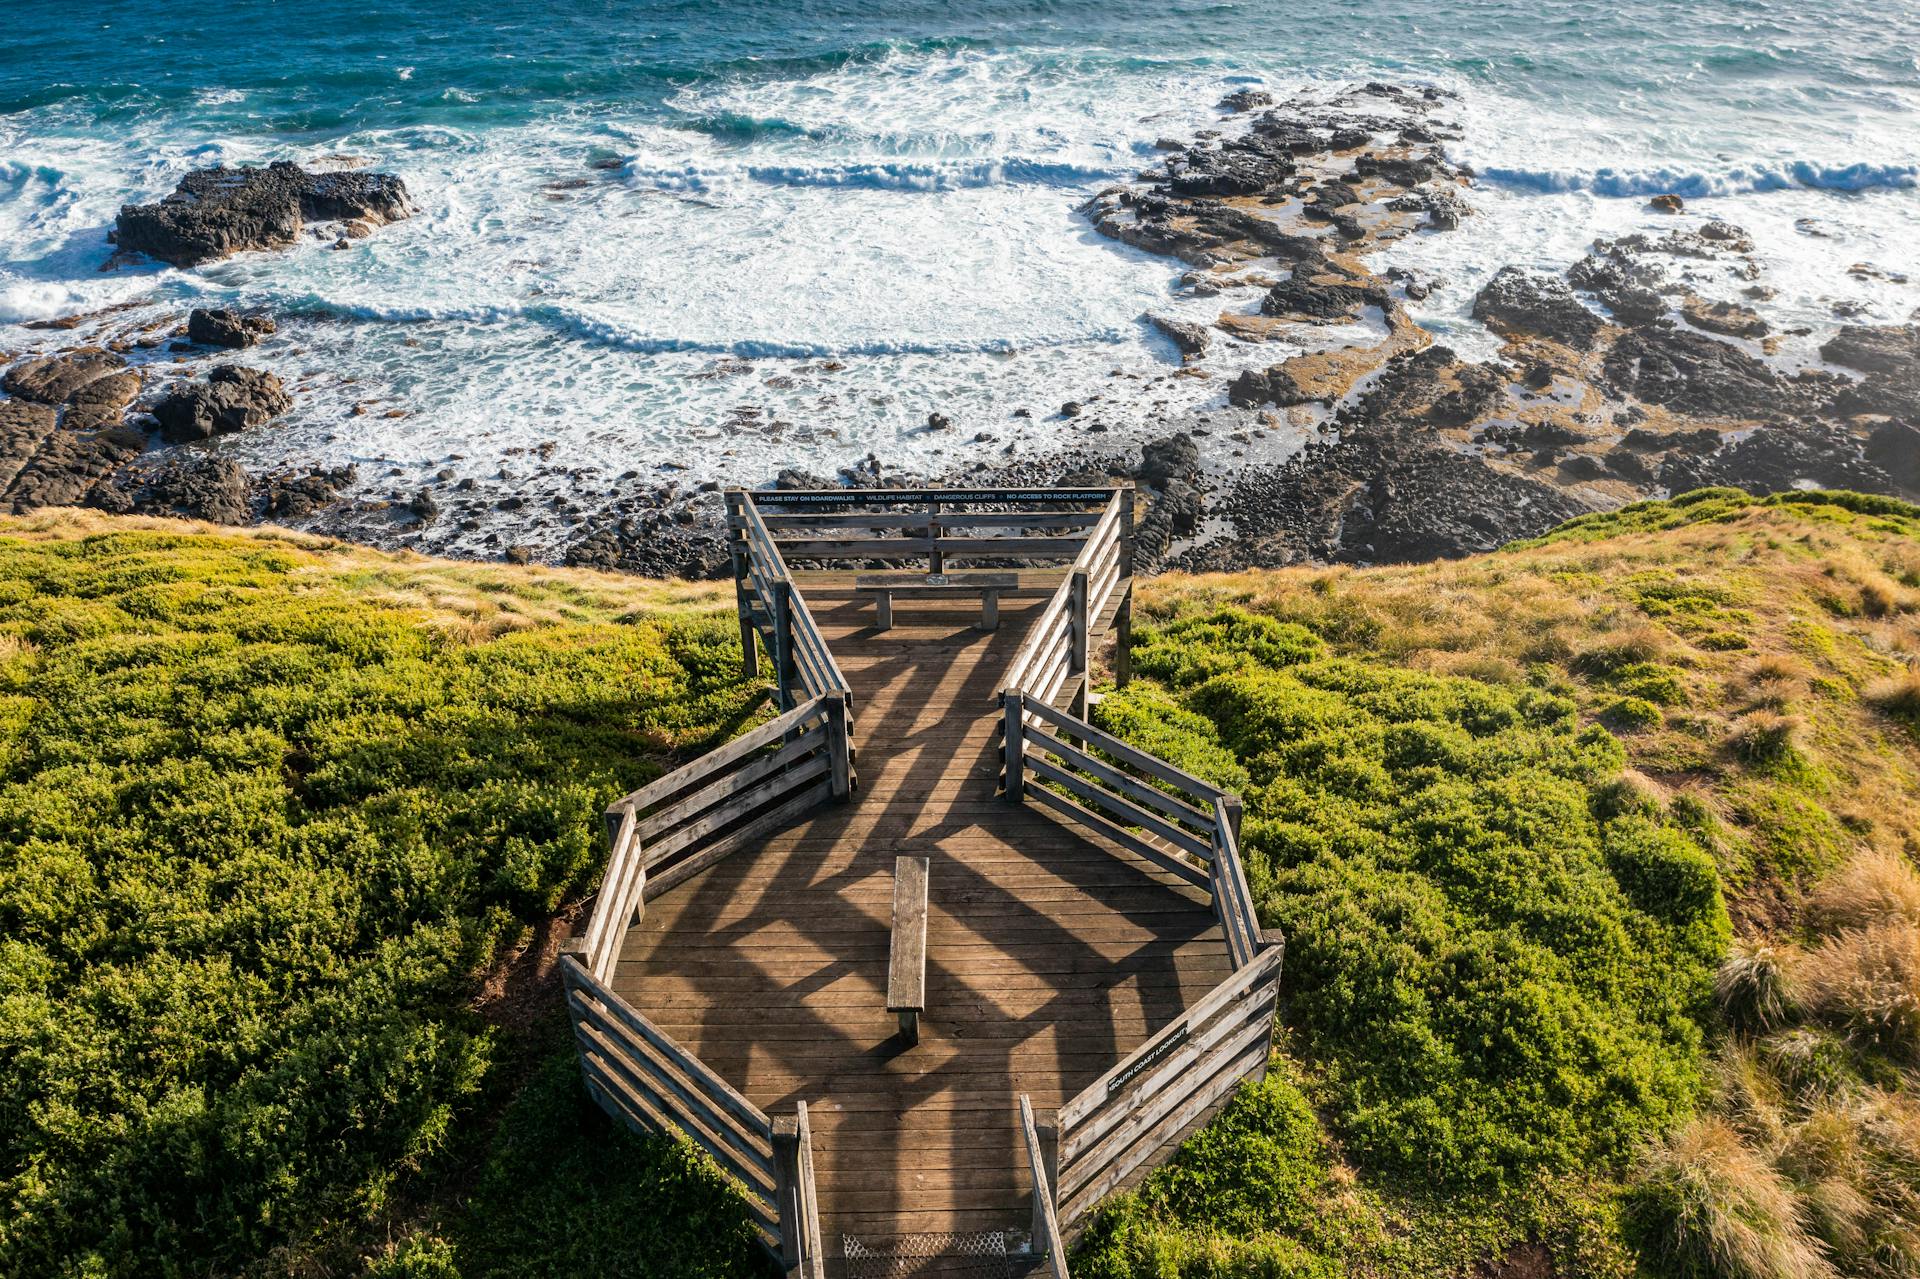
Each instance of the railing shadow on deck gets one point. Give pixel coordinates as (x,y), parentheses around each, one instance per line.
(764,781)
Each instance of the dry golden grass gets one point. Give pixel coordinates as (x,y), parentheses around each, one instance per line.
(1867,980)
(1873,888)
(1729,1211)
(1755,985)
(1739,604)
(469,600)
(1897,694)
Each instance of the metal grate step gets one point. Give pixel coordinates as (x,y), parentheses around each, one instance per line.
(987,1254)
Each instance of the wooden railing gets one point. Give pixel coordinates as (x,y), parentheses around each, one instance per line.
(1057,648)
(817,524)
(682,823)
(1124,1119)
(801,1251)
(1169,817)
(769,604)
(641,1076)
(1047,1240)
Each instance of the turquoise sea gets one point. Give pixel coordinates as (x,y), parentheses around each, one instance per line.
(885,188)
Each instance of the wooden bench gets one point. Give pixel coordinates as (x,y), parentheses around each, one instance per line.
(886,587)
(907,955)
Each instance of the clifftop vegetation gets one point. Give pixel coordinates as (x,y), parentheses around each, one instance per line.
(1594,856)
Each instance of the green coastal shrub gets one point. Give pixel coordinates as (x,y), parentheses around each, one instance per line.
(1247,1194)
(1498,974)
(258,836)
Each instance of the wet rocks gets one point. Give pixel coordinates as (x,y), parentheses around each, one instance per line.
(200,488)
(1890,358)
(1890,349)
(1521,301)
(1667,204)
(1275,385)
(1787,455)
(298,495)
(220,211)
(1228,171)
(1628,287)
(1381,493)
(1192,339)
(1728,318)
(1692,373)
(1246,100)
(1444,209)
(233,398)
(52,379)
(225,328)
(1299,299)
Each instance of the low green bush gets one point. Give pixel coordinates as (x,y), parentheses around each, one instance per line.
(258,836)
(1498,972)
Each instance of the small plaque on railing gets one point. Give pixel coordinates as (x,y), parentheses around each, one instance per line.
(1160,1053)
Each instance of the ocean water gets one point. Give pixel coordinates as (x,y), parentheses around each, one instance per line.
(731,237)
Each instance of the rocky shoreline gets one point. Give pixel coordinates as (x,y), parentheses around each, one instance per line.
(1649,366)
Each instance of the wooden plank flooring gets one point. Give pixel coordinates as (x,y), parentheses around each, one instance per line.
(1050,954)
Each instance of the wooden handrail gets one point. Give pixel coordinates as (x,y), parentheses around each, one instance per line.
(678,823)
(945,497)
(1126,1117)
(646,1079)
(1095,778)
(1046,1219)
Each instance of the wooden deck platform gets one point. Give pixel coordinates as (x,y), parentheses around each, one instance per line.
(1050,953)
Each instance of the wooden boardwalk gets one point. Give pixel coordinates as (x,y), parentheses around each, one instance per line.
(1051,954)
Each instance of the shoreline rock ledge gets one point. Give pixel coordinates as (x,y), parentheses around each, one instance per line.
(220,211)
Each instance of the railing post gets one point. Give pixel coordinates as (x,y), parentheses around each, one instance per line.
(936,562)
(786,1188)
(839,745)
(1082,637)
(1016,779)
(783,640)
(1046,1220)
(737,551)
(1123,616)
(1235,809)
(801,1252)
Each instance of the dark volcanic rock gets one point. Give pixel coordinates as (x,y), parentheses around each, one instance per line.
(221,327)
(1246,100)
(53,379)
(219,211)
(1891,349)
(233,398)
(1776,458)
(1174,457)
(295,495)
(1380,494)
(1192,339)
(23,428)
(1693,373)
(198,488)
(64,466)
(1729,318)
(1890,357)
(1301,299)
(1630,288)
(1894,447)
(1270,386)
(1519,301)
(1229,171)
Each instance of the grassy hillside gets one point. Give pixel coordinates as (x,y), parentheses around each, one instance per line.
(1594,857)
(284,827)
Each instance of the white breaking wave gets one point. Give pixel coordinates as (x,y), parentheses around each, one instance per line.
(1740,180)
